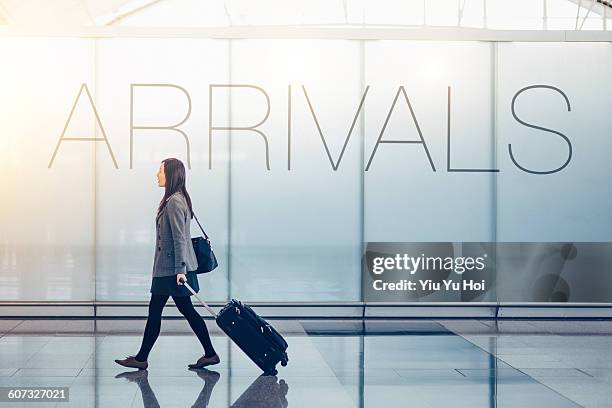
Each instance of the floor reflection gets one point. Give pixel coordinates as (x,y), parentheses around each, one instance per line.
(265,392)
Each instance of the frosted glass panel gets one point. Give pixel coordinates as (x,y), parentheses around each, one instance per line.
(405,200)
(47,207)
(295,232)
(572,204)
(171,84)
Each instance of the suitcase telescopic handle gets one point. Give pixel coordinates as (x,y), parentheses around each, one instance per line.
(210,309)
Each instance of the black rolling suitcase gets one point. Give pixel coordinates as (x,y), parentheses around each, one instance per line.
(260,341)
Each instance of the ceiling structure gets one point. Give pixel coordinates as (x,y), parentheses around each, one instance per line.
(489,14)
(440,20)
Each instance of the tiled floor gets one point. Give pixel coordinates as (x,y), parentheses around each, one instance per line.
(333,363)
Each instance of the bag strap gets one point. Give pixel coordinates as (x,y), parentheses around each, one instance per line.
(196,218)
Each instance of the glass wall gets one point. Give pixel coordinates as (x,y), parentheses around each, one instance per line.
(429,156)
(300,154)
(561,215)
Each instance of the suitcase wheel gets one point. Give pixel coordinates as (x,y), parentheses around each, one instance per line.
(283,363)
(272,371)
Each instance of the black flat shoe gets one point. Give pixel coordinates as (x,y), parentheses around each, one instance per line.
(205,361)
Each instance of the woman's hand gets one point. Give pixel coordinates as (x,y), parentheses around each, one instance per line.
(180,277)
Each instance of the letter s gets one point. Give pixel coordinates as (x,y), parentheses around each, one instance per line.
(480,262)
(569,144)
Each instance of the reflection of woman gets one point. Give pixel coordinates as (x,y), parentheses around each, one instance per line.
(174,261)
(149,399)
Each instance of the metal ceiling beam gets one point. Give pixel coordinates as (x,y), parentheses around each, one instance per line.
(128,9)
(603,8)
(312,32)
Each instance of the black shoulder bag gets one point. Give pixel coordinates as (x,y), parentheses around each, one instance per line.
(204,253)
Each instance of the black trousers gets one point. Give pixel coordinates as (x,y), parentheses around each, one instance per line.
(153,326)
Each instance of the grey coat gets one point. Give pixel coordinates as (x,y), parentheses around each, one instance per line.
(174,252)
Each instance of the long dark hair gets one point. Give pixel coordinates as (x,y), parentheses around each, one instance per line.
(175,181)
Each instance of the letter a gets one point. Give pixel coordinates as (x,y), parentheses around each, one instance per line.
(420,141)
(84,139)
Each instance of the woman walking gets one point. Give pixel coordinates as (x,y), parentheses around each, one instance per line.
(174,261)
